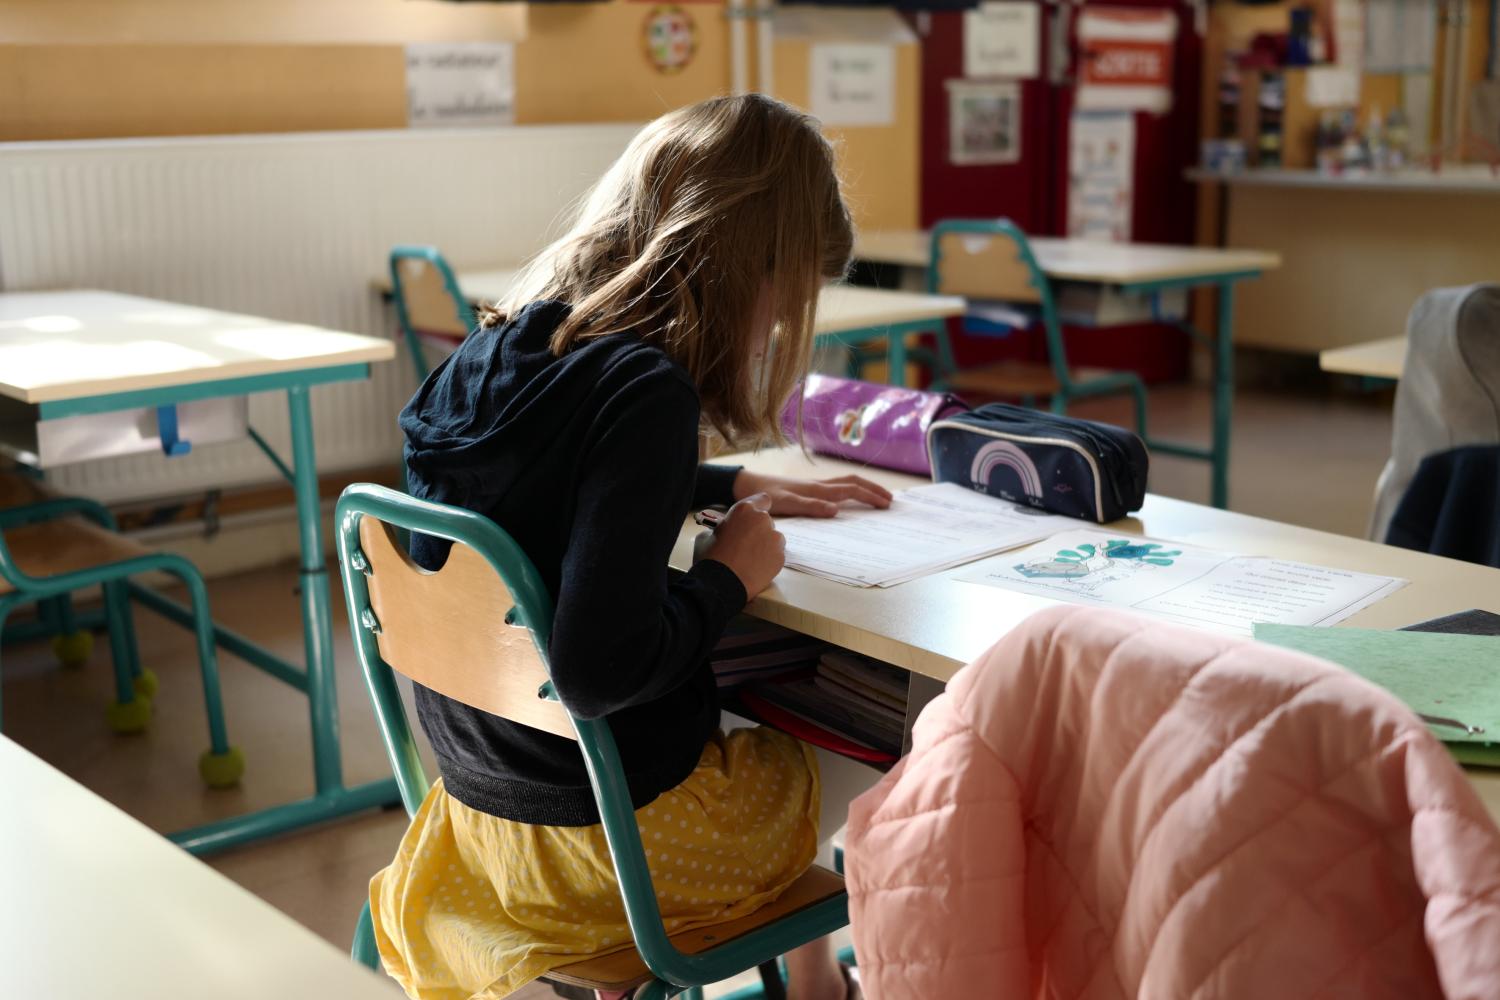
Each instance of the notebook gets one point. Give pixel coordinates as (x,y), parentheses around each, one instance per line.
(1444,675)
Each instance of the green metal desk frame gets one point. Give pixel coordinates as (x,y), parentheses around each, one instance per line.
(331,798)
(1223,346)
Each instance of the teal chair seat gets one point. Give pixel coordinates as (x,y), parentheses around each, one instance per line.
(477,631)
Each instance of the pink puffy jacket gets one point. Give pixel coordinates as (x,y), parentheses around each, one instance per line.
(1104,806)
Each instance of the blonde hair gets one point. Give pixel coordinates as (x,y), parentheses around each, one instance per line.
(707,206)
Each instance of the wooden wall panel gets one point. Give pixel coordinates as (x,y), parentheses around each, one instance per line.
(879,166)
(587,63)
(257,22)
(105,91)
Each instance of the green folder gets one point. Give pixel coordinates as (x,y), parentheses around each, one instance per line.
(1449,676)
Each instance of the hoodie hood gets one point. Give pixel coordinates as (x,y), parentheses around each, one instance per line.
(486,413)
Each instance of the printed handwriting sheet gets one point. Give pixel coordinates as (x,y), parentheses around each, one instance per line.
(925,530)
(1222,591)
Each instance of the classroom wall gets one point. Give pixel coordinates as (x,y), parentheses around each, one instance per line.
(587,62)
(86,69)
(261,22)
(880,166)
(120,68)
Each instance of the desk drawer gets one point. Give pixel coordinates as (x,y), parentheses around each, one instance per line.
(46,444)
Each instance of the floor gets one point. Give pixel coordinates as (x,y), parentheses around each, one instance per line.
(1310,458)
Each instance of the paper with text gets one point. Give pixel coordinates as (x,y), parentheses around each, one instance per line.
(1206,588)
(926,529)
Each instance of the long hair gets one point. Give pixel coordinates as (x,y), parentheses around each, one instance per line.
(707,207)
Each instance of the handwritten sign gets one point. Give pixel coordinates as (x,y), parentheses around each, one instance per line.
(460,83)
(854,84)
(1002,39)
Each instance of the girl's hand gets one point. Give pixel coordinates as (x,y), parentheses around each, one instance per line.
(749,544)
(794,497)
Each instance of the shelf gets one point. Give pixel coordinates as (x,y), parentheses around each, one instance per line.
(1454,180)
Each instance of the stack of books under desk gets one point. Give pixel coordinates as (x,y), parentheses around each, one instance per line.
(840,701)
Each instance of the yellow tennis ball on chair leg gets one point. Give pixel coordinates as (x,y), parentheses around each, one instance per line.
(74,648)
(222,770)
(126,717)
(147,683)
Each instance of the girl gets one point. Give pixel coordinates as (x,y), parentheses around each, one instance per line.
(683,297)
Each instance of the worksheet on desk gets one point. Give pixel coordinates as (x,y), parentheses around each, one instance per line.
(926,529)
(1206,588)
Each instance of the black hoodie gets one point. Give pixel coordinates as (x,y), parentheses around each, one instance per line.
(590,462)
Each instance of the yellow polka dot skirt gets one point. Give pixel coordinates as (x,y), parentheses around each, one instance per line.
(477,906)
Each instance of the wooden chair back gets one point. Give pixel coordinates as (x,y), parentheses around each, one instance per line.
(984,266)
(447,631)
(430,308)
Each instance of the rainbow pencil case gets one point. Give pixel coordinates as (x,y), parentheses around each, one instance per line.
(1063,465)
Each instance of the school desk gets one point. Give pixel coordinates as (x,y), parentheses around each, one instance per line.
(1141,269)
(68,353)
(934,625)
(97,905)
(1375,359)
(847,315)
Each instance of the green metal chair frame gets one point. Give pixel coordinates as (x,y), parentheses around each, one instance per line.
(676,972)
(222,764)
(461,308)
(1068,387)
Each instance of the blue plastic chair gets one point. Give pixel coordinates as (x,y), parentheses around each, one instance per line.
(477,631)
(993,260)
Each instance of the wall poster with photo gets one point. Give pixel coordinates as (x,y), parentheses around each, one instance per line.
(984,122)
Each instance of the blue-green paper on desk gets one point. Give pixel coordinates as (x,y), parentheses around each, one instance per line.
(1450,676)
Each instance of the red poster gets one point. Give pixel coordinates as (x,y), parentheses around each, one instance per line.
(1125,59)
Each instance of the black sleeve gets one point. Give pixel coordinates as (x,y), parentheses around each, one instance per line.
(715,486)
(623,633)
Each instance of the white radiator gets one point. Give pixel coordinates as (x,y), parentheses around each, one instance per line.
(293,227)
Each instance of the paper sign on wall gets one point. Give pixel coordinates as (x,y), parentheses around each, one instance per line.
(1101,176)
(1002,39)
(854,84)
(460,83)
(1125,59)
(984,122)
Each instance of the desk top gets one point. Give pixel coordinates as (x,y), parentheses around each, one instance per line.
(1375,359)
(75,344)
(934,625)
(846,307)
(1081,260)
(97,905)
(841,308)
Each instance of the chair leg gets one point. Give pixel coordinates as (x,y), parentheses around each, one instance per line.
(130,712)
(364,951)
(144,680)
(71,646)
(771,981)
(221,765)
(7,605)
(1138,390)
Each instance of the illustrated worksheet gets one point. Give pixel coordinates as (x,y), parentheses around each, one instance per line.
(1206,588)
